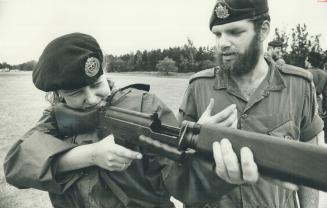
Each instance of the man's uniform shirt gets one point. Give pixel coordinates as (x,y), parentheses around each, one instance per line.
(283,105)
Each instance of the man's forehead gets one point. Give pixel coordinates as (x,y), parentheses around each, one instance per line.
(242,24)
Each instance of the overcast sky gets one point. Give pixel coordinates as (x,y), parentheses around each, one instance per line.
(123,26)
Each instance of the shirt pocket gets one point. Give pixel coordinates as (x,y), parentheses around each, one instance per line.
(278,124)
(287,129)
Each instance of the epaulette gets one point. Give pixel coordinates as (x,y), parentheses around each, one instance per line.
(121,93)
(144,87)
(207,73)
(294,70)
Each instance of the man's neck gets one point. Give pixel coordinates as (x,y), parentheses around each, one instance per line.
(249,82)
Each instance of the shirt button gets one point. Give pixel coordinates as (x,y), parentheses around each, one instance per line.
(244,116)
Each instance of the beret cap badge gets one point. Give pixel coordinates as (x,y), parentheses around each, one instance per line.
(92,66)
(221,11)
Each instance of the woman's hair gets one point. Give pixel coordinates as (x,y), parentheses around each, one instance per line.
(54,97)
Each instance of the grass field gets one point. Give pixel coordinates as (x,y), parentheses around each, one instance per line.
(21,106)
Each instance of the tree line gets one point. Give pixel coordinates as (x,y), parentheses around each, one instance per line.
(188,58)
(183,59)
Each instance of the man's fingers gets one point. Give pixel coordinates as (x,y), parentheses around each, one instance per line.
(209,108)
(219,161)
(224,114)
(231,120)
(249,167)
(207,113)
(231,161)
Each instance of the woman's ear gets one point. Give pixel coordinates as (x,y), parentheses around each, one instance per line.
(265,29)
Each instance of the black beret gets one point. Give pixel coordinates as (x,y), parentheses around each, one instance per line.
(275,43)
(69,62)
(226,11)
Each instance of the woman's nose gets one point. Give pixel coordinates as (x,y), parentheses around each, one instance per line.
(91,97)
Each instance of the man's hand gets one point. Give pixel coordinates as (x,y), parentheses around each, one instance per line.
(111,156)
(228,166)
(227,117)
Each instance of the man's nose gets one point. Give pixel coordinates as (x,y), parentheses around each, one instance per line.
(224,42)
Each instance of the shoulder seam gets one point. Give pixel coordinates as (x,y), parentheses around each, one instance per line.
(207,73)
(295,71)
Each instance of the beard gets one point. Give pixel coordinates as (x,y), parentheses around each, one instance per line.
(242,63)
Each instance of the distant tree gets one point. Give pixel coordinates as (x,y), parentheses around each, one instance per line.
(5,65)
(107,62)
(167,65)
(206,64)
(301,44)
(119,65)
(188,57)
(28,66)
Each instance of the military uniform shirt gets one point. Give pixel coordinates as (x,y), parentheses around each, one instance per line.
(284,105)
(30,163)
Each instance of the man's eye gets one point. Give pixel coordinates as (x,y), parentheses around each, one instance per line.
(218,35)
(236,32)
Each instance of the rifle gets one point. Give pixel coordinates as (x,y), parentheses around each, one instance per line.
(287,160)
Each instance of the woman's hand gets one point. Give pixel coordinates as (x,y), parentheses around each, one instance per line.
(111,156)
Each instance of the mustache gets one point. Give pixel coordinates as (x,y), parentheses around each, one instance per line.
(228,51)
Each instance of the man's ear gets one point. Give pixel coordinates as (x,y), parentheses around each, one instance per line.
(265,29)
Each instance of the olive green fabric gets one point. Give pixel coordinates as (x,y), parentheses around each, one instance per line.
(284,105)
(30,164)
(320,81)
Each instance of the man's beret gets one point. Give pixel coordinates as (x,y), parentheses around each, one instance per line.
(69,62)
(226,11)
(275,43)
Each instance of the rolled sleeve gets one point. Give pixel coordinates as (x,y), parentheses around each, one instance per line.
(188,105)
(311,123)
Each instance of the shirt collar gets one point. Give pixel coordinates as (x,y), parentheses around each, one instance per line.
(274,80)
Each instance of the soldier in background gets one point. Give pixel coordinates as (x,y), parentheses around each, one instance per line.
(274,51)
(312,63)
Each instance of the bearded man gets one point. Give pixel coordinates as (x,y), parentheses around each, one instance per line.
(254,94)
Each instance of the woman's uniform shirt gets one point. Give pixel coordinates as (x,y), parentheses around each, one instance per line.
(30,163)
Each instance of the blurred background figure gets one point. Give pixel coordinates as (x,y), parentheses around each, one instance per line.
(313,63)
(274,51)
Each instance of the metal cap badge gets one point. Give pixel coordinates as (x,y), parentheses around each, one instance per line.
(92,66)
(221,11)
(227,11)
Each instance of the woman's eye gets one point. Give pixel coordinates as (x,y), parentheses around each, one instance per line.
(73,93)
(95,85)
